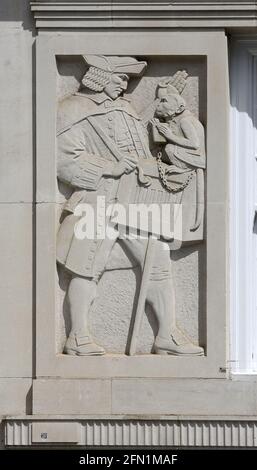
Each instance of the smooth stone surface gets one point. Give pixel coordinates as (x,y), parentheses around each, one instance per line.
(43,433)
(71,396)
(174,396)
(16,290)
(16,117)
(145,397)
(15,396)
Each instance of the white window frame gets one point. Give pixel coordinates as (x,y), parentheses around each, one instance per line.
(243,206)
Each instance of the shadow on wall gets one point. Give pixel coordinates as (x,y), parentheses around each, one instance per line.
(17,11)
(2,435)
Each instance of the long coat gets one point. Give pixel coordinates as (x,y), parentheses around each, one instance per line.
(85,155)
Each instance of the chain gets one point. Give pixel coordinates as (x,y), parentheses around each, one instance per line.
(163,178)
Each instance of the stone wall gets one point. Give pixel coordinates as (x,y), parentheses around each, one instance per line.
(17,123)
(127,397)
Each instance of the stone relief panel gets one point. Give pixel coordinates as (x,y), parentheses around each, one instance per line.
(136,297)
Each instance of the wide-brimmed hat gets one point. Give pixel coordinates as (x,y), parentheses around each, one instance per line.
(116,64)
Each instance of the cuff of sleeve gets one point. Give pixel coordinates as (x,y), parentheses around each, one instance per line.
(83,179)
(89,173)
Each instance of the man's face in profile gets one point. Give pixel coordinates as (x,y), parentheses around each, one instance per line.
(117,85)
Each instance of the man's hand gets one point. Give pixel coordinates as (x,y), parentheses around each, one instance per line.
(126,165)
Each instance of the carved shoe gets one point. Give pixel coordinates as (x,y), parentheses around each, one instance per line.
(82,346)
(176,344)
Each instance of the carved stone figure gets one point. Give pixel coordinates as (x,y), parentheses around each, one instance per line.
(103,151)
(183,156)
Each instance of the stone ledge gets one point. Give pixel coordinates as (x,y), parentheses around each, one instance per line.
(144,397)
(145,14)
(110,432)
(15,396)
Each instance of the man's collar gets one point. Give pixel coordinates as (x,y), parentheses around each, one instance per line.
(100,98)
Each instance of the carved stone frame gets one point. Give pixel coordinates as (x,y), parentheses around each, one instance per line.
(213,46)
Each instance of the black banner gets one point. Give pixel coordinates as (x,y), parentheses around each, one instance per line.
(124,458)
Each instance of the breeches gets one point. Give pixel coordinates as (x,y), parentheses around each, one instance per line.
(135,249)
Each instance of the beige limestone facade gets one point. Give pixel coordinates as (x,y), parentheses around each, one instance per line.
(56,387)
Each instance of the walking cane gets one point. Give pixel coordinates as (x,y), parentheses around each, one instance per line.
(148,261)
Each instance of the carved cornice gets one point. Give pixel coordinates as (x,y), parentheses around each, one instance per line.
(140,14)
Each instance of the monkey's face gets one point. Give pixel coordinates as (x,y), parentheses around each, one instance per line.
(169,106)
